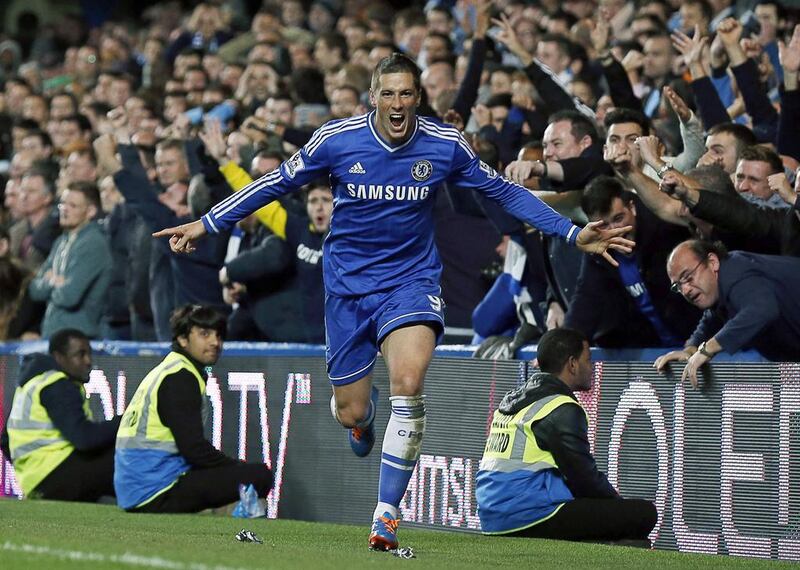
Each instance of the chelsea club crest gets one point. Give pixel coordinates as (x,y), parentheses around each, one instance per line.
(421,170)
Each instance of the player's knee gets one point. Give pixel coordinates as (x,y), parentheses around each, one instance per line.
(350,414)
(406,384)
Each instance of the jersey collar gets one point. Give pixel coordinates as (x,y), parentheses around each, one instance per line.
(384,144)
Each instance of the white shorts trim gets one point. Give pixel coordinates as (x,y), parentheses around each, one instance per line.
(353,373)
(437,315)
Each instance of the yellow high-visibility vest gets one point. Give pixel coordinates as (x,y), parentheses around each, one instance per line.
(511,445)
(37,446)
(141,426)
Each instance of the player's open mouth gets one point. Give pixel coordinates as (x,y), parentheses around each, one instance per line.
(397,120)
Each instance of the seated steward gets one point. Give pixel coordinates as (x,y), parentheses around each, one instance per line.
(58,452)
(538,477)
(163,463)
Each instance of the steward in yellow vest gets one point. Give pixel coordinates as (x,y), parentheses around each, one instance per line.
(163,463)
(58,452)
(538,477)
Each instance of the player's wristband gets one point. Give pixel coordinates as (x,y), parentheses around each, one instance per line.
(209,224)
(572,235)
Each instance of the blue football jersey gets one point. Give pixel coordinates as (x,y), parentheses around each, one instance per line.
(383,196)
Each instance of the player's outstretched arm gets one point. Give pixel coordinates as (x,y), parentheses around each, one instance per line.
(181,237)
(593,239)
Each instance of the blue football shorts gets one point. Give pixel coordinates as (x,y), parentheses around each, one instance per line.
(356,326)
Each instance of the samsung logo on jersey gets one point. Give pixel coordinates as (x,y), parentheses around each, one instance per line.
(388,192)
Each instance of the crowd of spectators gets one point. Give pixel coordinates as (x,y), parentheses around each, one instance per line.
(679,119)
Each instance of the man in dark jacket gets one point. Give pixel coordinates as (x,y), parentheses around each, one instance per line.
(163,463)
(778,229)
(264,274)
(306,236)
(58,452)
(573,155)
(710,184)
(37,195)
(750,301)
(261,283)
(173,282)
(281,268)
(548,485)
(629,305)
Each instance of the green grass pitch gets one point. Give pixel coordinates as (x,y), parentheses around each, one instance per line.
(49,535)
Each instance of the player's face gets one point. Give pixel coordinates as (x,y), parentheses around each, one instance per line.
(319,207)
(202,344)
(395,98)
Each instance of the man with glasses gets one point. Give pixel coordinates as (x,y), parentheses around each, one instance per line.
(750,301)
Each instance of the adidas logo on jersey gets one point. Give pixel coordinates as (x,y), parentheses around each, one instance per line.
(357,169)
